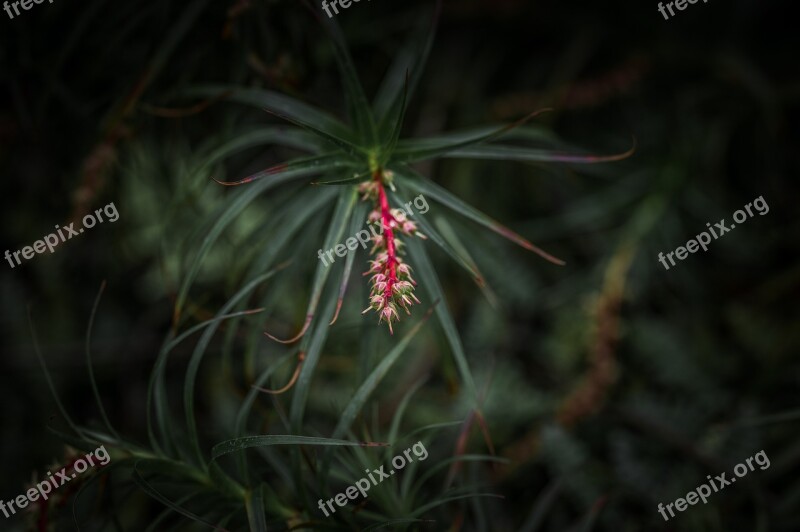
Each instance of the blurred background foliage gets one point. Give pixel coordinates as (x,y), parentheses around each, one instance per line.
(609,384)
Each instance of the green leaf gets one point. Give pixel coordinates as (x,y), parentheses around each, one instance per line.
(255,510)
(236,206)
(371,382)
(443,196)
(247,403)
(356,221)
(278,135)
(450,235)
(515,153)
(424,508)
(49,380)
(429,231)
(248,442)
(396,85)
(430,282)
(154,493)
(332,160)
(392,522)
(156,525)
(90,366)
(431,471)
(401,408)
(430,148)
(156,392)
(432,426)
(197,357)
(357,104)
(394,136)
(341,216)
(542,505)
(278,103)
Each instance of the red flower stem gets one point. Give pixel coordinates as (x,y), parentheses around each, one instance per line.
(388,234)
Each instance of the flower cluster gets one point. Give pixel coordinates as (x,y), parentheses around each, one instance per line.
(392,284)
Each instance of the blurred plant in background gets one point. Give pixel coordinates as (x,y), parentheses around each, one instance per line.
(597,390)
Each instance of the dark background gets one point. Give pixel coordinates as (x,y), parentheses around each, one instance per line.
(614,383)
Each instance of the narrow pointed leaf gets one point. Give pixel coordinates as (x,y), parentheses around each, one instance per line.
(90,366)
(49,380)
(358,106)
(156,391)
(341,216)
(145,486)
(396,83)
(443,196)
(429,231)
(256,517)
(373,380)
(236,206)
(430,282)
(277,103)
(356,222)
(394,136)
(514,153)
(248,442)
(407,155)
(197,357)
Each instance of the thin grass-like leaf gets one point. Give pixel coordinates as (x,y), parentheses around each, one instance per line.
(49,380)
(278,103)
(394,136)
(443,196)
(197,357)
(431,505)
(542,506)
(154,493)
(396,84)
(394,522)
(356,221)
(107,469)
(430,281)
(248,442)
(156,391)
(250,398)
(356,178)
(431,471)
(256,517)
(303,163)
(433,426)
(290,137)
(311,345)
(156,525)
(230,213)
(341,216)
(90,366)
(515,153)
(345,145)
(371,382)
(429,231)
(357,104)
(409,155)
(401,408)
(452,238)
